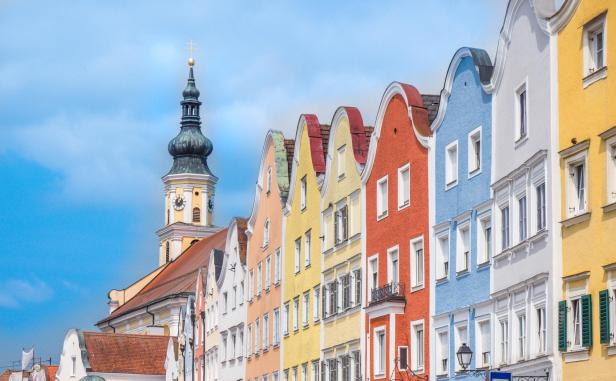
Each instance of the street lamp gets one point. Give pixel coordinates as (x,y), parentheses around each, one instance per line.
(464,354)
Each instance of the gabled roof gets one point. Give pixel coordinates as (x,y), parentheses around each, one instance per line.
(431,103)
(178,278)
(289,145)
(219,255)
(125,353)
(242,238)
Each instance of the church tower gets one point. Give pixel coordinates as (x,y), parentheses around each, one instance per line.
(189,184)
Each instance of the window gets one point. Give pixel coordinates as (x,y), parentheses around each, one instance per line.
(316,301)
(341,162)
(305,372)
(224,348)
(196,215)
(522,220)
(332,302)
(294,372)
(483,344)
(392,271)
(576,337)
(541,330)
(474,151)
(277,266)
(345,367)
(610,149)
(302,199)
(259,279)
(286,375)
(73,366)
(541,214)
(285,319)
(251,282)
(381,198)
(357,280)
(463,249)
(266,233)
(374,273)
(276,327)
(521,337)
(417,263)
(442,363)
(404,186)
(257,333)
(305,305)
(268,181)
(275,376)
(451,164)
(265,378)
(315,371)
(346,291)
(224,302)
(241,292)
(332,365)
(442,249)
(356,366)
(461,337)
(341,226)
(298,253)
(379,352)
(594,45)
(577,172)
(265,332)
(484,246)
(504,227)
(295,314)
(234,300)
(403,358)
(522,111)
(503,341)
(268,271)
(417,347)
(307,242)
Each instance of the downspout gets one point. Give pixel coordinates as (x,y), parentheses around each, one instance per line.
(112,327)
(151,314)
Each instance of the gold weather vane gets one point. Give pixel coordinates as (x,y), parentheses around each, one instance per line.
(191,48)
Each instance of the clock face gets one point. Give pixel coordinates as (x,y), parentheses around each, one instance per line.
(210,205)
(179,203)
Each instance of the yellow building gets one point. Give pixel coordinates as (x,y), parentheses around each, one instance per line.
(341,325)
(301,258)
(586,38)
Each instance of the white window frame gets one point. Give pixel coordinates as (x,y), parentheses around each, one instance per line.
(276,327)
(316,303)
(285,318)
(340,162)
(522,217)
(452,165)
(268,180)
(373,262)
(268,272)
(541,339)
(442,350)
(484,247)
(610,153)
(296,313)
(541,218)
(443,256)
(475,159)
(522,335)
(277,266)
(571,333)
(418,362)
(391,271)
(307,247)
(417,283)
(479,341)
(259,278)
(503,340)
(297,254)
(462,255)
(592,70)
(382,205)
(303,192)
(504,244)
(266,226)
(572,192)
(380,365)
(404,195)
(523,88)
(400,357)
(458,339)
(265,331)
(305,309)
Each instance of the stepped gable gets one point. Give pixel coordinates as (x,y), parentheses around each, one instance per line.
(178,278)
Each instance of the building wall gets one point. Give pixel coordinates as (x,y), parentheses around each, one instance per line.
(397,146)
(267,206)
(584,113)
(340,334)
(212,333)
(468,108)
(302,345)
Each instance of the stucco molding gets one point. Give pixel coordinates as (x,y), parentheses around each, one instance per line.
(412,98)
(522,170)
(506,292)
(574,149)
(385,308)
(483,68)
(609,133)
(561,18)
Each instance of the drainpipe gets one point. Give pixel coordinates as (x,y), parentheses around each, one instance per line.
(112,327)
(151,314)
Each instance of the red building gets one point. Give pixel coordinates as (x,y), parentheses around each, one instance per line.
(396,249)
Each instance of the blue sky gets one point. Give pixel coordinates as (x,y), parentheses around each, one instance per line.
(89,98)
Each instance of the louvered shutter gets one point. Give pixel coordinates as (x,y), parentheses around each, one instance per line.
(604,316)
(357,287)
(345,223)
(323,370)
(323,302)
(334,306)
(346,290)
(562,326)
(586,321)
(336,227)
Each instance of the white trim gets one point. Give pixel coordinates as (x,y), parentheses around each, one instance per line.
(453,182)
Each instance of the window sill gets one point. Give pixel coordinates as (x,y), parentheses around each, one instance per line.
(574,220)
(341,177)
(418,287)
(442,280)
(594,77)
(451,184)
(306,266)
(574,355)
(462,273)
(404,206)
(483,265)
(609,207)
(264,246)
(611,349)
(382,216)
(520,141)
(474,172)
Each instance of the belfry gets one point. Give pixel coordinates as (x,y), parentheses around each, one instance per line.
(189,185)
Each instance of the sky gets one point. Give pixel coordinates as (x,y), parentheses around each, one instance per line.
(89,98)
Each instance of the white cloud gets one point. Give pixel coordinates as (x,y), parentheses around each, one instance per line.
(15,293)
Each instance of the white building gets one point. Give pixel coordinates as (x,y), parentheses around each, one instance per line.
(526,270)
(113,357)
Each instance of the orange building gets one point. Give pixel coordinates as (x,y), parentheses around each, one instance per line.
(264,259)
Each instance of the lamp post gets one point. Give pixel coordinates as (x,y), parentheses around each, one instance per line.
(465,356)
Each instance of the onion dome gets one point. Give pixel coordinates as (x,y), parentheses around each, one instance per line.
(190,148)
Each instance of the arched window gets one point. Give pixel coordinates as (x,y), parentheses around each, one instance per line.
(167,252)
(266,233)
(196,215)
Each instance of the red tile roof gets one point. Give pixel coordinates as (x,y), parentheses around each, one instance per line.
(242,238)
(177,278)
(6,375)
(51,372)
(317,147)
(124,353)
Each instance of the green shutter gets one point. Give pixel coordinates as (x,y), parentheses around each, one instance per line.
(604,316)
(586,321)
(562,326)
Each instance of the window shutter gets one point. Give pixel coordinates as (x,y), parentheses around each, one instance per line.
(334,306)
(323,370)
(345,223)
(323,302)
(604,316)
(562,326)
(357,287)
(586,321)
(336,227)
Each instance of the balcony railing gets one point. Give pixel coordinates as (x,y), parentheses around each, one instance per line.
(390,291)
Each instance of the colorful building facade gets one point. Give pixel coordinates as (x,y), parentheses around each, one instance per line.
(264,260)
(395,187)
(301,255)
(461,214)
(341,218)
(587,145)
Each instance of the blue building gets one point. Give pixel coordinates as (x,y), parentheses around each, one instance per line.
(461,215)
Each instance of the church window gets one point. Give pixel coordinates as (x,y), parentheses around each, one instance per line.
(167,252)
(196,215)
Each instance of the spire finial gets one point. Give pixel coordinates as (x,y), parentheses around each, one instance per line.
(191,48)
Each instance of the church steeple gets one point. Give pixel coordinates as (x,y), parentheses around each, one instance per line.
(190,148)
